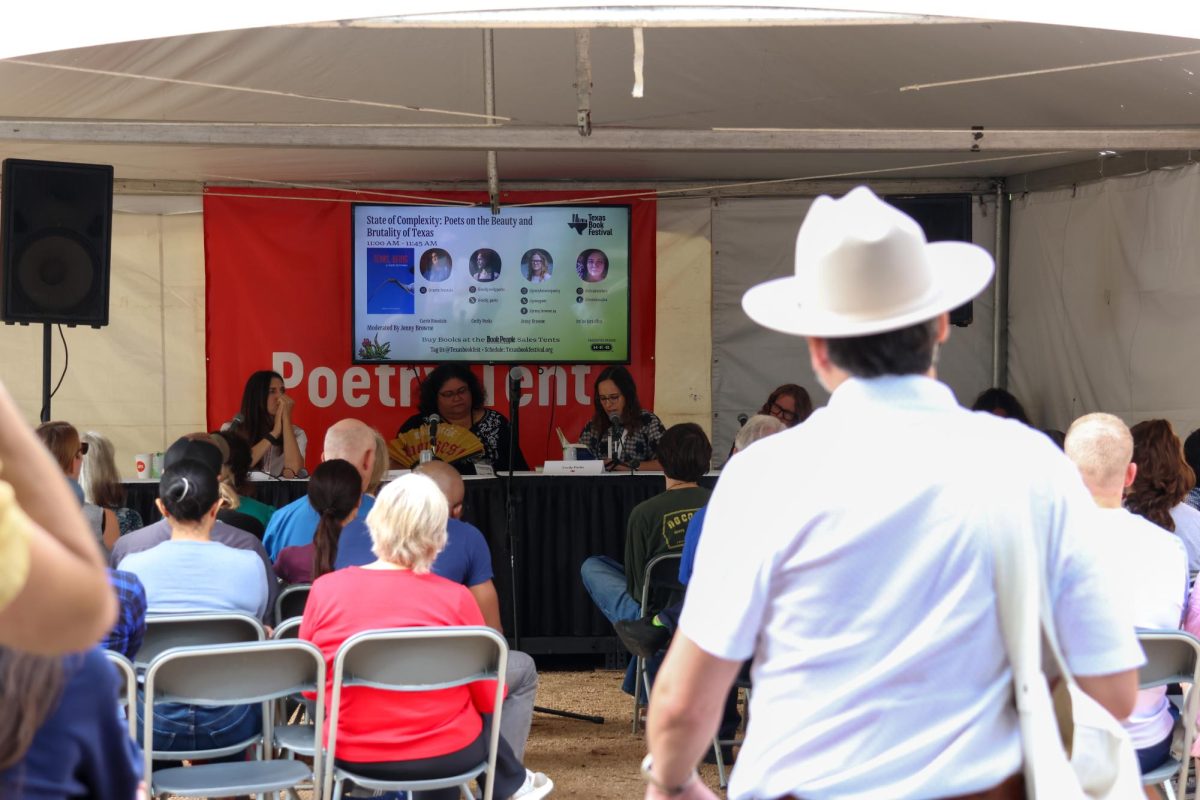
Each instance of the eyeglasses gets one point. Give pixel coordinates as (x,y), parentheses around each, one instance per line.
(83,449)
(609,398)
(450,394)
(783,413)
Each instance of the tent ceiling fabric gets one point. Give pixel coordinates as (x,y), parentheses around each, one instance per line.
(702,80)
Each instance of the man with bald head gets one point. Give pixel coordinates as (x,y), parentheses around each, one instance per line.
(1147,564)
(465,560)
(295,523)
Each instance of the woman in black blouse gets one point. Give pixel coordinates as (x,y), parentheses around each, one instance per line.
(454,393)
(635,439)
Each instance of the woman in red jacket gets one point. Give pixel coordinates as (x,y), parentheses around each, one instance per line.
(406,736)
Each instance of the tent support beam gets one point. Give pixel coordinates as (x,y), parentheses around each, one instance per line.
(522,137)
(1000,292)
(583,81)
(489,106)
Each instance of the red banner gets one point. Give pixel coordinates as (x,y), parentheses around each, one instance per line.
(278,296)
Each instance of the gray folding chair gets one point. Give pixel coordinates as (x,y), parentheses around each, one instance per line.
(1172,656)
(128,696)
(417,660)
(164,631)
(294,738)
(640,677)
(224,675)
(291,601)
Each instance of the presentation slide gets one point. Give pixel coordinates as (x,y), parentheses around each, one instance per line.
(532,284)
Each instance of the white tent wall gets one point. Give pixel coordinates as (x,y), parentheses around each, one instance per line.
(753,241)
(1104,291)
(139,381)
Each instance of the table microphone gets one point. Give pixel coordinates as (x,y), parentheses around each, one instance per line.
(433,420)
(614,423)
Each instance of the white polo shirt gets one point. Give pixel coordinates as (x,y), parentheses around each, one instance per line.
(848,556)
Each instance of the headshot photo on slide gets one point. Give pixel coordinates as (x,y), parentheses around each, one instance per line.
(485,265)
(536,265)
(592,265)
(436,265)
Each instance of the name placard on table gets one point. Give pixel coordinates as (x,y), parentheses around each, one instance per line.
(573,468)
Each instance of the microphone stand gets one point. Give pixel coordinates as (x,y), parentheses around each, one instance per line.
(514,419)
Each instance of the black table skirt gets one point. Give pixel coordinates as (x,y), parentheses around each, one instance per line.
(558,522)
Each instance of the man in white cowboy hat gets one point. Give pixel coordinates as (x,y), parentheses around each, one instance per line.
(879,669)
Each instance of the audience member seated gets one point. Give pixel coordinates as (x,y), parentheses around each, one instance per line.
(230,512)
(54,593)
(1002,404)
(646,636)
(467,560)
(207,454)
(63,734)
(789,403)
(454,393)
(655,527)
(277,446)
(192,574)
(295,523)
(1148,564)
(62,440)
(1163,480)
(102,482)
(334,492)
(236,473)
(1191,454)
(126,636)
(402,736)
(634,436)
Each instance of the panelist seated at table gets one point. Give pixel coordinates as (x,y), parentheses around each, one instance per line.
(454,393)
(635,434)
(277,445)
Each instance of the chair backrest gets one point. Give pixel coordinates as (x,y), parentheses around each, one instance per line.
(234,674)
(658,574)
(164,631)
(1173,656)
(414,660)
(290,602)
(287,629)
(128,696)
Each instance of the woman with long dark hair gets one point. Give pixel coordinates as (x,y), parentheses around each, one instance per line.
(1162,481)
(61,734)
(454,393)
(636,433)
(265,421)
(334,491)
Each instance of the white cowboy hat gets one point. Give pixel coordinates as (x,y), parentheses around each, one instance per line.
(864,267)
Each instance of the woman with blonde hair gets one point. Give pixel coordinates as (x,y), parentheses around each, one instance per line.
(102,483)
(406,736)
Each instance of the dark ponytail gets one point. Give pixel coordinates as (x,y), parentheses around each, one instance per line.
(188,489)
(334,490)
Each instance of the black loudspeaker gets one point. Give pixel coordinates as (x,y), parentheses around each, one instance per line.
(57,241)
(944,218)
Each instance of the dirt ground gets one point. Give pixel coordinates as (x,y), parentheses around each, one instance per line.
(584,759)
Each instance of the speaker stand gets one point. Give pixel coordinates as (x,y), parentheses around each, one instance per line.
(47,338)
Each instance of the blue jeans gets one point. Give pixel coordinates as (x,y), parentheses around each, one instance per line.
(604,579)
(180,728)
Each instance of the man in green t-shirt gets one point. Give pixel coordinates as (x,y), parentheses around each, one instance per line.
(655,526)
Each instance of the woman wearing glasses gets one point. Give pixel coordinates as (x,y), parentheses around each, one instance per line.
(454,393)
(790,404)
(634,437)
